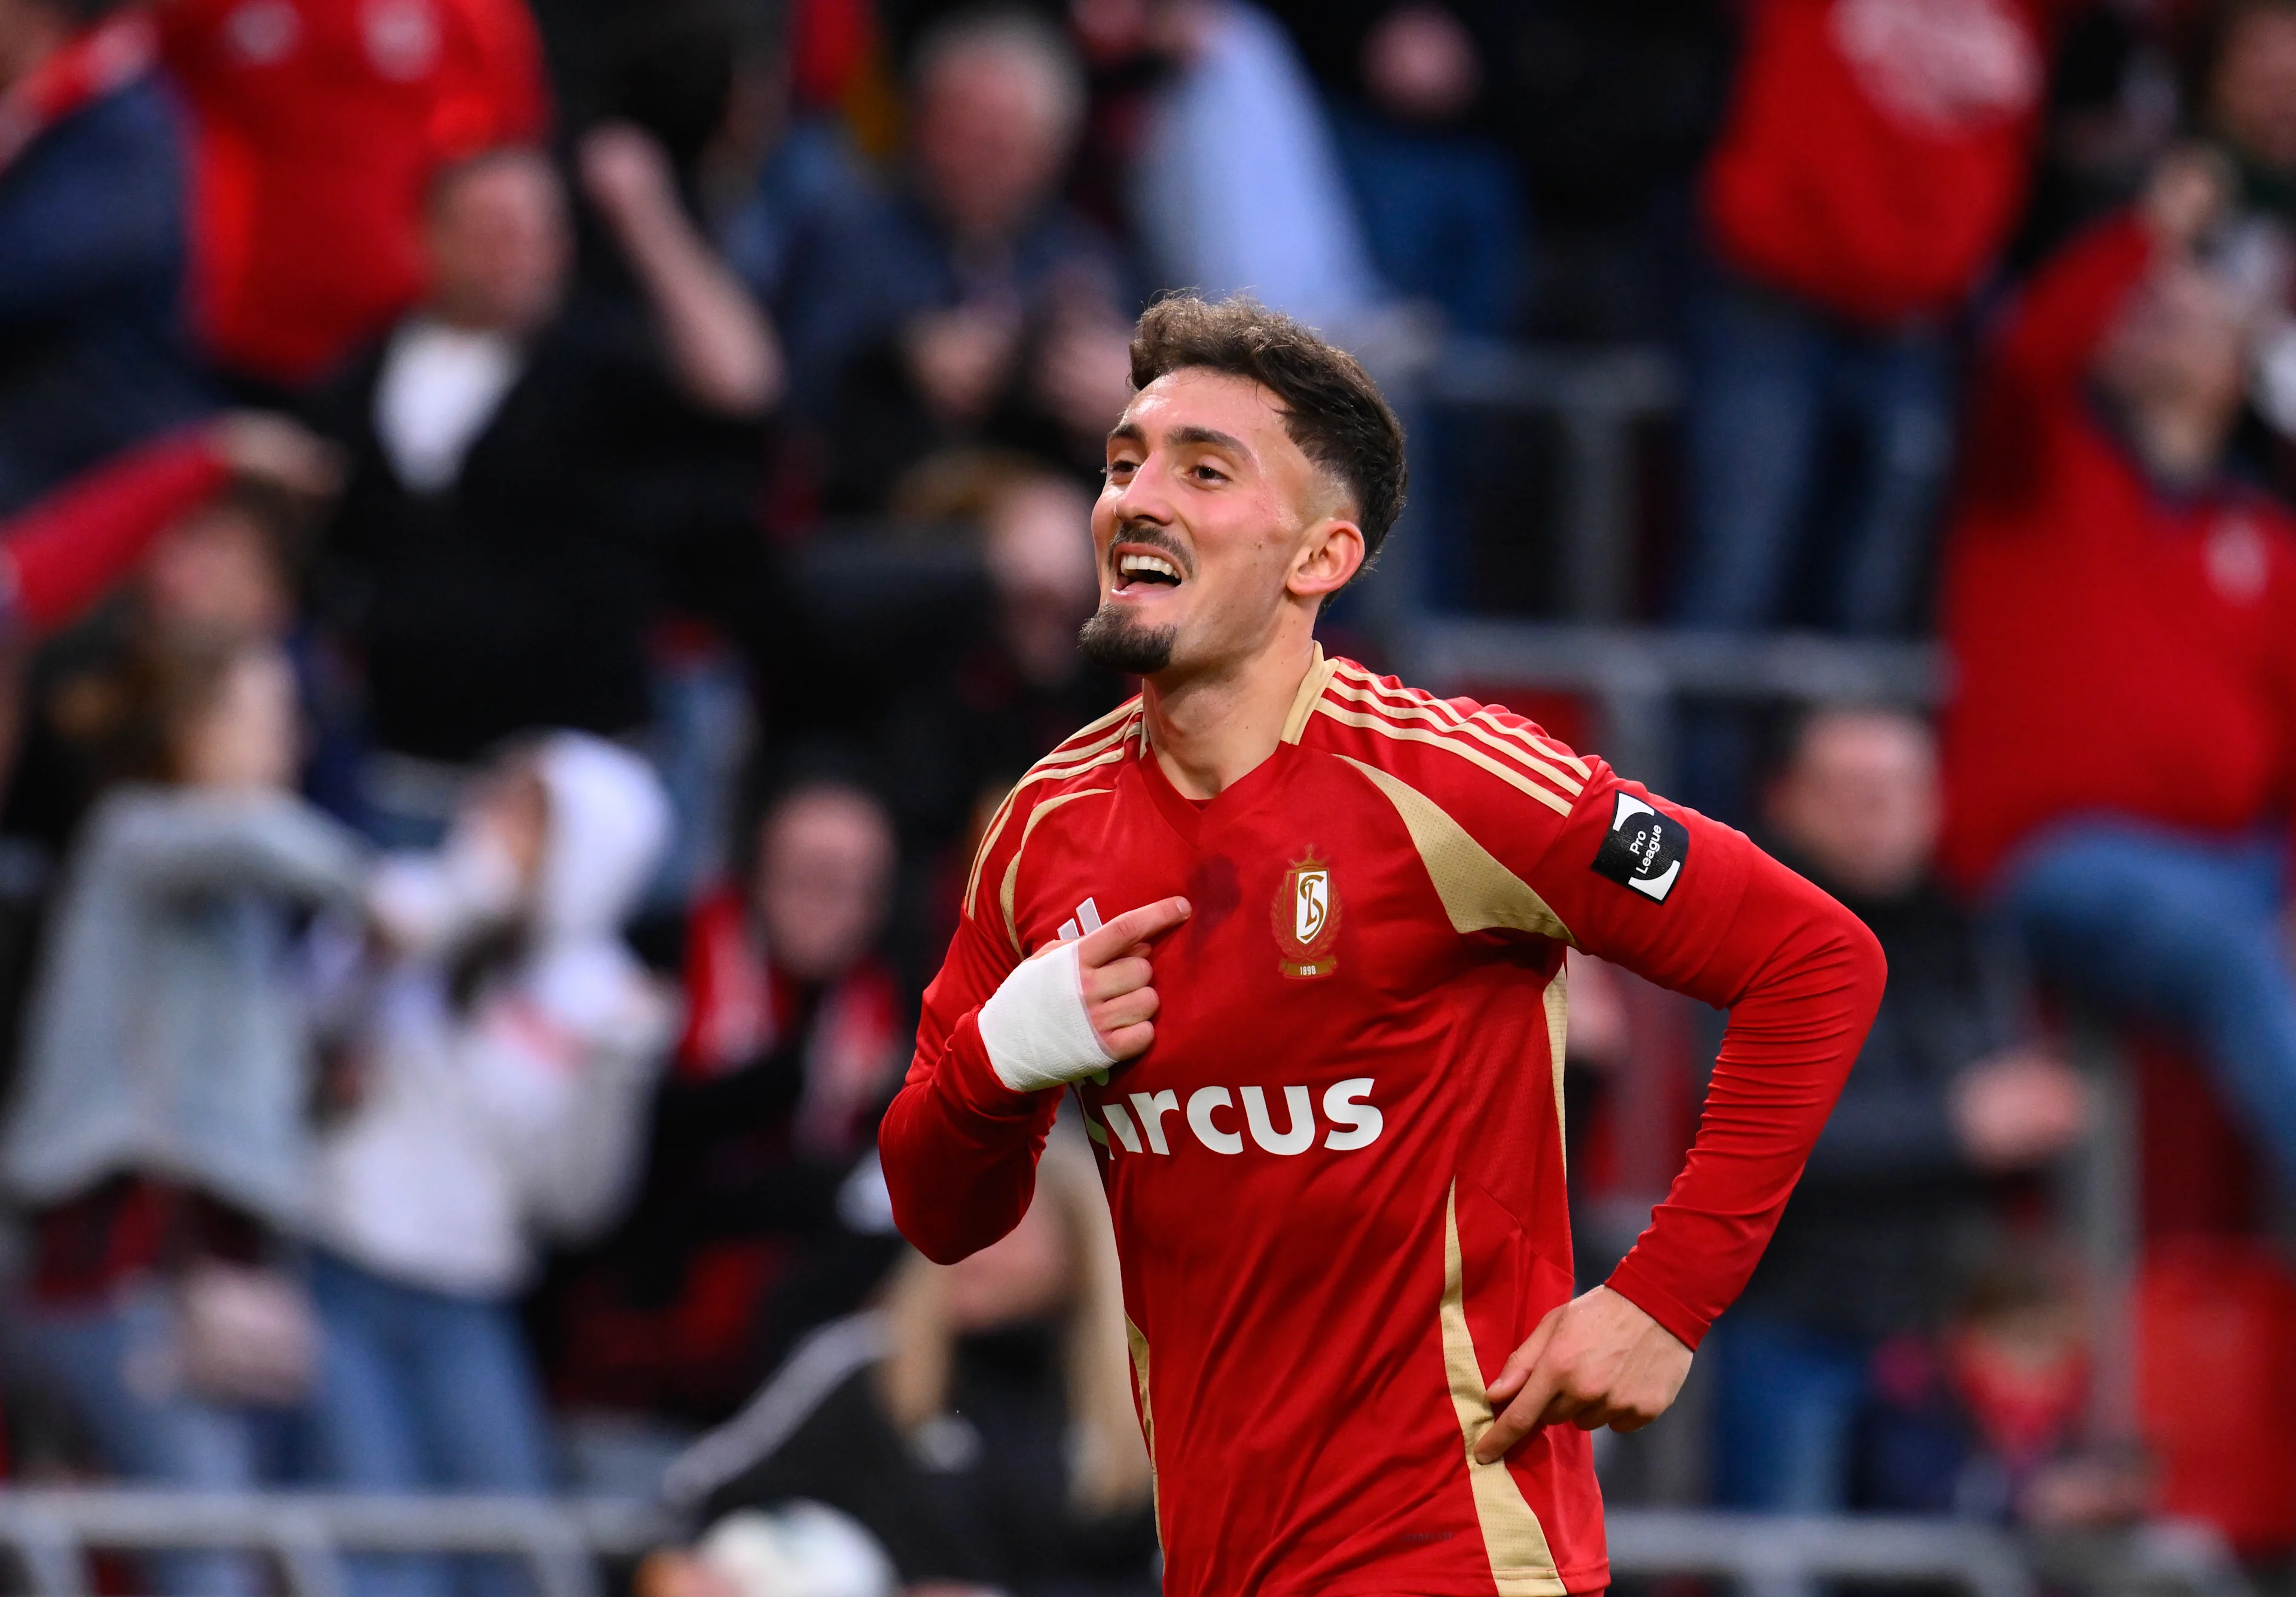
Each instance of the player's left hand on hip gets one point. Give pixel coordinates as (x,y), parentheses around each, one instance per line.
(1598,1360)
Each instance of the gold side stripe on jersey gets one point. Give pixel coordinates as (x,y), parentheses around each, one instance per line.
(1556,1001)
(1058,762)
(1414,735)
(1137,1340)
(1525,737)
(1479,893)
(1523,1565)
(1311,689)
(1356,687)
(1013,870)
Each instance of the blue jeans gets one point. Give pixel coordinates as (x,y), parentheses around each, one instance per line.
(2177,929)
(1787,1402)
(424,1391)
(1774,383)
(113,1360)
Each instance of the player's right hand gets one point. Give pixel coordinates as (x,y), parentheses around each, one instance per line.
(1073,1009)
(1116,976)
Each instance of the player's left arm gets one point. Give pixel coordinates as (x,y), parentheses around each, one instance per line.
(1693,905)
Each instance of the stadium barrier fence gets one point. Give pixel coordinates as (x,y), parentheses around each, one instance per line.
(566,1543)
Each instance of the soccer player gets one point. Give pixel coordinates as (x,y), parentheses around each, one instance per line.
(1294,934)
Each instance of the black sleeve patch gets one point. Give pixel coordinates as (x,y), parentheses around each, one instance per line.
(1644,850)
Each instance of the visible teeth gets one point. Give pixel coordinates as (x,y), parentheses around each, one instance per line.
(1131,565)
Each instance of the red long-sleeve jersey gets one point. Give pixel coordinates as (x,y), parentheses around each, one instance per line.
(1337,1175)
(2119,646)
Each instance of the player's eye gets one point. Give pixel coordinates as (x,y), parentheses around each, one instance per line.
(1210,473)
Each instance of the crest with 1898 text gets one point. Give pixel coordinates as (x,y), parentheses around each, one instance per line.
(1306,919)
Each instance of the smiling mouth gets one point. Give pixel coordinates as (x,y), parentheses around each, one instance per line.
(1138,567)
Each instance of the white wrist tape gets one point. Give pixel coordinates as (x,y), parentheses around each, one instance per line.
(1035,1028)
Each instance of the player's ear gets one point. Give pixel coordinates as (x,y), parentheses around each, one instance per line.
(1329,557)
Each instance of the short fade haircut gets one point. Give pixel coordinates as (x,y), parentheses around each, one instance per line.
(1332,408)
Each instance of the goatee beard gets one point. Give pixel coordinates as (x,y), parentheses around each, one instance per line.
(1113,640)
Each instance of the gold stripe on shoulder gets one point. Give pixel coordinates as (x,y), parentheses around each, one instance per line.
(1491,733)
(1311,688)
(1385,728)
(1478,892)
(1530,737)
(1122,712)
(987,843)
(1068,754)
(1063,761)
(1013,867)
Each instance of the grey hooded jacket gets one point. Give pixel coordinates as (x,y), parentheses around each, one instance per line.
(167,1035)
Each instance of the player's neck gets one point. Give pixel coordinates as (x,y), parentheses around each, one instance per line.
(1211,729)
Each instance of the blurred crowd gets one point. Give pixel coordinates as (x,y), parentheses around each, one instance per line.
(530,539)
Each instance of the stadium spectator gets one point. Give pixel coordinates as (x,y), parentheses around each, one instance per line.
(776,170)
(719,84)
(492,1102)
(1440,202)
(958,738)
(320,127)
(2121,612)
(978,1424)
(92,352)
(528,473)
(1896,1200)
(2246,87)
(2246,100)
(160,1137)
(169,507)
(64,552)
(972,305)
(794,1037)
(1238,185)
(1871,168)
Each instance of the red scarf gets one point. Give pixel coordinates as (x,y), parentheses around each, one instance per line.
(102,59)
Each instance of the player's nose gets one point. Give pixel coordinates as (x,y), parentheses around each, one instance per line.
(1144,497)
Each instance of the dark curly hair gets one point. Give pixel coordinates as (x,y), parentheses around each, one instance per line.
(1332,408)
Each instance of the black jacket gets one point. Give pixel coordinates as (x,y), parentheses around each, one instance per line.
(522,595)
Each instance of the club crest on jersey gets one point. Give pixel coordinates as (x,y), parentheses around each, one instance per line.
(1307,918)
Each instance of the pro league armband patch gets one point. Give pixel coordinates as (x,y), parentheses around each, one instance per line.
(1644,851)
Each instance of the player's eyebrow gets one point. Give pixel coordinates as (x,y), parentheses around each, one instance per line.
(1213,437)
(1132,432)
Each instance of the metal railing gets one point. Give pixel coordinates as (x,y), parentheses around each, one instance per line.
(50,1534)
(1791,1556)
(1635,677)
(1598,398)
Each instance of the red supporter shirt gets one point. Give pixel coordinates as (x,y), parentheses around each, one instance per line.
(2118,647)
(320,123)
(1337,1175)
(1876,152)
